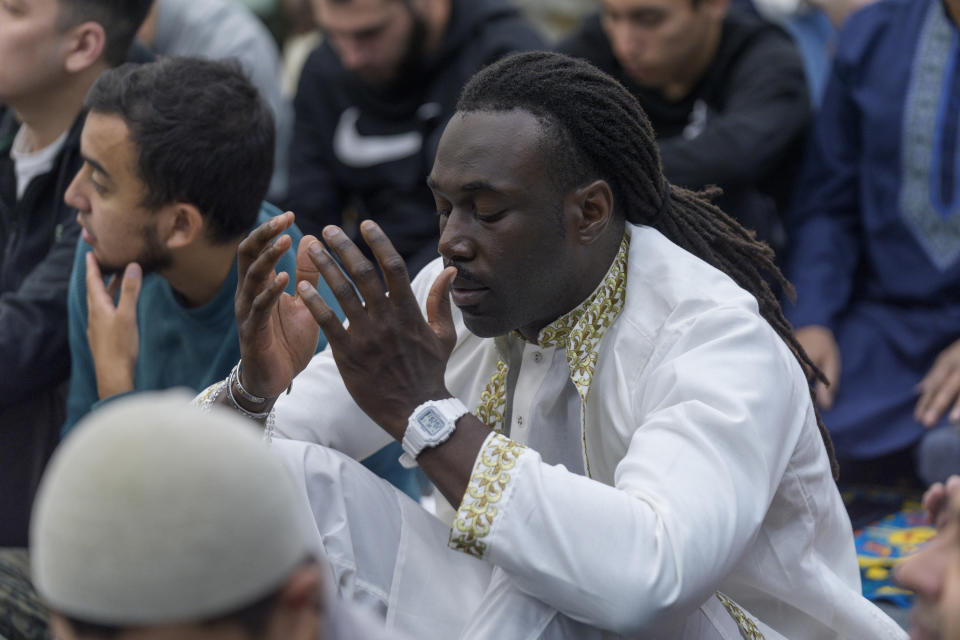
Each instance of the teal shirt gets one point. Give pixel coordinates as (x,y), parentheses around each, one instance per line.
(192,348)
(179,347)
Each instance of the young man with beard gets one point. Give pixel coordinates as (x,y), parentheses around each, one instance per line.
(596,372)
(725,92)
(372,102)
(51,52)
(177,156)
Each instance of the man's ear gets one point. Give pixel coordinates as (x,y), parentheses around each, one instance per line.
(85,43)
(593,204)
(183,225)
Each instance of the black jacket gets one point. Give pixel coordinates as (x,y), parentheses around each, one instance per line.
(744,120)
(369,151)
(38,238)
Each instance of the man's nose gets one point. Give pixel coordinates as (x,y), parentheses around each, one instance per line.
(456,242)
(353,54)
(73,197)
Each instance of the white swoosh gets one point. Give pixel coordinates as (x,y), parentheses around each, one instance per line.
(355,150)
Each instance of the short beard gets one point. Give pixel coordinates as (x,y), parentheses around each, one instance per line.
(154,257)
(411,59)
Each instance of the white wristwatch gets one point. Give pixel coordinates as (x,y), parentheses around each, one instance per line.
(430,424)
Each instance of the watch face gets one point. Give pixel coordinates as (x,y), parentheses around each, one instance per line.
(431,421)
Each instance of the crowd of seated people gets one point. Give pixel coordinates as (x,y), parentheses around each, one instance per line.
(657,273)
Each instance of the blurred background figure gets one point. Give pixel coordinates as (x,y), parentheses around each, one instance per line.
(52,51)
(371,104)
(724,90)
(222,29)
(875,243)
(813,25)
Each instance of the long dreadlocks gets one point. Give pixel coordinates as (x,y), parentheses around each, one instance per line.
(597,129)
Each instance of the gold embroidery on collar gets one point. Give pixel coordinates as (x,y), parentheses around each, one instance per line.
(579,332)
(493,399)
(489,480)
(748,628)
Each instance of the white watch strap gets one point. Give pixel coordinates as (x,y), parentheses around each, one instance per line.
(415,439)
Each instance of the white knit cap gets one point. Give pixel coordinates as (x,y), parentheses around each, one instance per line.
(152,512)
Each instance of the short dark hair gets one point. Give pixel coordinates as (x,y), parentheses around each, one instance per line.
(120,20)
(597,130)
(251,619)
(203,135)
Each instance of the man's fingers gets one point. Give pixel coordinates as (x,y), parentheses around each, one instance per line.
(130,289)
(306,270)
(392,264)
(259,239)
(323,314)
(262,304)
(439,314)
(261,272)
(360,270)
(339,284)
(96,290)
(945,395)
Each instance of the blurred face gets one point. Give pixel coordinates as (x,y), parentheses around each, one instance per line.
(656,41)
(933,574)
(108,195)
(375,39)
(500,223)
(32,49)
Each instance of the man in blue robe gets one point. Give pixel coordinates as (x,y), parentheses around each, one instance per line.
(876,237)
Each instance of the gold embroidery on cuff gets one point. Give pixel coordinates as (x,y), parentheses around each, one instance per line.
(748,628)
(479,508)
(208,396)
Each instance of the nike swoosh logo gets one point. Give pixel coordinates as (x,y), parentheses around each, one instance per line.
(359,151)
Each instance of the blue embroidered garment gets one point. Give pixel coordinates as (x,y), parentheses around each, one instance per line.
(876,222)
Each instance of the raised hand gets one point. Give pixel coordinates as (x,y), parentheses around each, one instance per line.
(277,332)
(940,389)
(390,358)
(112,329)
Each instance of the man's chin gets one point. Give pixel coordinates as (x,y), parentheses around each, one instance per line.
(483,326)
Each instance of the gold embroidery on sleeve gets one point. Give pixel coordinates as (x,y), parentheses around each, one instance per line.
(479,508)
(748,628)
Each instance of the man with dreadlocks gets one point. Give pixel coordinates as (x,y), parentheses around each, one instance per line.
(613,400)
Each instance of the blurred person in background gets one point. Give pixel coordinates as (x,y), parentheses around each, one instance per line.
(52,51)
(725,92)
(372,102)
(875,243)
(220,30)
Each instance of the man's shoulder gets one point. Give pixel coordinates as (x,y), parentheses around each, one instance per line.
(747,37)
(667,284)
(891,22)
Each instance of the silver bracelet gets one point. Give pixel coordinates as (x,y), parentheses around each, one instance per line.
(249,397)
(259,417)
